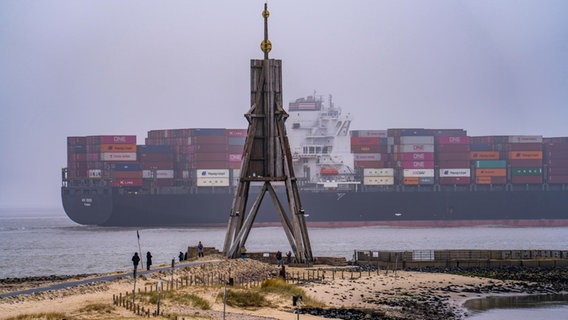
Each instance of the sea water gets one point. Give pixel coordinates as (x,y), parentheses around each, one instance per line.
(47,242)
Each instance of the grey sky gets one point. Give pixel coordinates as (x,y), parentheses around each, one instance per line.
(125,67)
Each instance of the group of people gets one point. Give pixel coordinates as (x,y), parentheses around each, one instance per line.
(181,256)
(279,258)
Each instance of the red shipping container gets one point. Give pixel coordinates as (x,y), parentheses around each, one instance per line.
(455,180)
(365,141)
(454,164)
(369,164)
(127,182)
(557,162)
(236,132)
(562,147)
(155,157)
(526,179)
(368,149)
(210,165)
(558,171)
(449,148)
(76,157)
(159,165)
(235,165)
(454,156)
(556,155)
(235,157)
(417,164)
(127,175)
(558,179)
(76,140)
(211,148)
(164,182)
(523,147)
(452,140)
(411,156)
(210,156)
(525,163)
(235,149)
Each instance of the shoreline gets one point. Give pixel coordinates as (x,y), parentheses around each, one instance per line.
(392,294)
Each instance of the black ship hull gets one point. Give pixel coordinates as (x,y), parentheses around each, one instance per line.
(109,207)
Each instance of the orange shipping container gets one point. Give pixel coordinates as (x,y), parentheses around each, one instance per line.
(118,148)
(484,155)
(491,180)
(490,172)
(411,180)
(525,155)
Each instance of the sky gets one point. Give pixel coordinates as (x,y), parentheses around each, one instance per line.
(96,67)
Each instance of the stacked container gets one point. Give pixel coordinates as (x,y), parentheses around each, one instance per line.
(525,157)
(105,153)
(415,156)
(556,159)
(452,158)
(157,162)
(77,158)
(371,157)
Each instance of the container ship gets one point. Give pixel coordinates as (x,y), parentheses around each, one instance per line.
(397,177)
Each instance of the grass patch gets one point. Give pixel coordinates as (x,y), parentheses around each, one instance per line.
(279,287)
(42,316)
(245,298)
(98,308)
(174,297)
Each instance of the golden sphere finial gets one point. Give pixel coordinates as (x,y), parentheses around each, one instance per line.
(265,14)
(266,46)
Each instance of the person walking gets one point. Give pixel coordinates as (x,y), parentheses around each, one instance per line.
(243,252)
(180,256)
(289,257)
(199,249)
(135,261)
(148,260)
(279,258)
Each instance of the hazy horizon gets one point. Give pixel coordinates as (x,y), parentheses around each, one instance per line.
(77,68)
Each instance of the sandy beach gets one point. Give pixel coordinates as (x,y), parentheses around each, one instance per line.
(392,295)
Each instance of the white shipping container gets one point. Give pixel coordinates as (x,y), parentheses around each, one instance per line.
(378,181)
(118,156)
(165,174)
(94,173)
(147,174)
(417,140)
(418,173)
(372,133)
(525,139)
(378,172)
(414,148)
(212,173)
(465,172)
(367,156)
(212,182)
(185,174)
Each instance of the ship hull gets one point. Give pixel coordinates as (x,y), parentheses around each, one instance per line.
(327,209)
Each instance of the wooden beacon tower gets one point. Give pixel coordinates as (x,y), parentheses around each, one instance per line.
(267,159)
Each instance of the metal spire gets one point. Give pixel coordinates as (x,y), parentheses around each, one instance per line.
(265,45)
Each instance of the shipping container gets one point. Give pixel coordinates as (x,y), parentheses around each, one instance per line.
(416,140)
(556,155)
(217,173)
(558,179)
(491,164)
(119,139)
(455,180)
(118,156)
(426,180)
(411,180)
(151,149)
(491,172)
(449,148)
(76,141)
(94,173)
(369,164)
(481,147)
(454,164)
(417,164)
(127,182)
(118,175)
(236,133)
(200,157)
(452,140)
(453,156)
(525,163)
(369,133)
(491,180)
(378,181)
(211,132)
(484,155)
(118,148)
(526,171)
(414,148)
(210,164)
(525,139)
(557,162)
(526,179)
(525,155)
(411,156)
(213,182)
(368,157)
(133,166)
(208,140)
(378,172)
(418,172)
(365,141)
(369,148)
(558,171)
(237,141)
(75,149)
(453,172)
(235,157)
(522,147)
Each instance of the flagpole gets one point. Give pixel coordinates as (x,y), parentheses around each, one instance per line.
(140,251)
